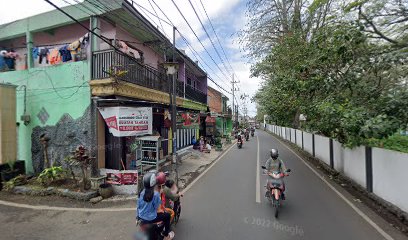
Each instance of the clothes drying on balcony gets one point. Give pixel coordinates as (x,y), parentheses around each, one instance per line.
(65,54)
(128,50)
(54,57)
(7,61)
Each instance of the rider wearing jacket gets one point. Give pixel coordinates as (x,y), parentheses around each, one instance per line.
(149,203)
(274,164)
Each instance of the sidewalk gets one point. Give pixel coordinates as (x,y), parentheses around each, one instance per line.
(190,166)
(195,163)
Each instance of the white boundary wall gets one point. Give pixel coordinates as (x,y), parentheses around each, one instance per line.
(299,138)
(293,135)
(390,177)
(338,158)
(389,168)
(322,148)
(354,164)
(307,138)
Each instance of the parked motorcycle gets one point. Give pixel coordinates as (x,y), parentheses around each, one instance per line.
(275,188)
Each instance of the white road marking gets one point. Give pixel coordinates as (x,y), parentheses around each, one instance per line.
(42,207)
(258,183)
(356,209)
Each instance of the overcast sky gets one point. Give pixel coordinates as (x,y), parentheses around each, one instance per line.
(227,17)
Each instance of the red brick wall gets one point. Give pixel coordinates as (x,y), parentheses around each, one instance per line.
(214,100)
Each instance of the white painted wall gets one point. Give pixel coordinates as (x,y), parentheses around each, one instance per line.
(299,138)
(389,167)
(354,164)
(307,138)
(338,156)
(390,176)
(284,132)
(293,135)
(322,148)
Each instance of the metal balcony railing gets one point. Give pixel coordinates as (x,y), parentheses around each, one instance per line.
(113,64)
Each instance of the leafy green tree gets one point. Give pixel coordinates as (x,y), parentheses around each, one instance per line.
(346,73)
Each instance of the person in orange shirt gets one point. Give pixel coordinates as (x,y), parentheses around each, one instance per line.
(161,180)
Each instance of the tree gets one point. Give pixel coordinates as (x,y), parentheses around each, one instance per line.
(329,65)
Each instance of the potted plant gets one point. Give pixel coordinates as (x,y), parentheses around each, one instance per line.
(10,172)
(105,190)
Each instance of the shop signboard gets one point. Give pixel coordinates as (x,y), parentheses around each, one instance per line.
(128,121)
(121,177)
(188,120)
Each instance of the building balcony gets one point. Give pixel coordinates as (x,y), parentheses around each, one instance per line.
(112,67)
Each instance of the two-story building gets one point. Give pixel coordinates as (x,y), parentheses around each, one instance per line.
(64,75)
(218,105)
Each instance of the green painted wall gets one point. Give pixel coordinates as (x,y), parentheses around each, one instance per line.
(59,89)
(229,125)
(55,18)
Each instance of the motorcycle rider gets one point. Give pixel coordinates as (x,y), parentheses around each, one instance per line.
(161,180)
(239,138)
(149,203)
(172,195)
(275,164)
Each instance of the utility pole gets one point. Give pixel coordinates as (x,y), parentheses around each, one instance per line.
(174,108)
(233,99)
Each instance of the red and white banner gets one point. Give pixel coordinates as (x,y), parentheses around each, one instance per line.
(128,121)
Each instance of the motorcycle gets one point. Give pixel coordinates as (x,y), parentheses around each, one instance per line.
(247,137)
(252,134)
(152,231)
(149,231)
(275,188)
(239,144)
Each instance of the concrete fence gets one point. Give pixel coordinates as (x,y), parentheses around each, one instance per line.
(380,171)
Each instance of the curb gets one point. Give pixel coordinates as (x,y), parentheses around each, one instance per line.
(51,208)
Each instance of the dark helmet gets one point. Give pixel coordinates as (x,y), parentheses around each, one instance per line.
(274,153)
(160,178)
(149,180)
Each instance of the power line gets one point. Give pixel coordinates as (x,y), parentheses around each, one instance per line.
(208,35)
(195,54)
(191,48)
(156,15)
(151,5)
(182,15)
(216,35)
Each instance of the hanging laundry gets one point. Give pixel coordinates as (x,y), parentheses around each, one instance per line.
(134,53)
(3,66)
(36,52)
(65,54)
(43,54)
(54,57)
(74,47)
(84,41)
(10,59)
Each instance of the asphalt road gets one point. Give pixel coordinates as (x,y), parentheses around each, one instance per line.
(223,203)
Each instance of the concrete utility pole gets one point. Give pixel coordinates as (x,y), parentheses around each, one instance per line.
(174,109)
(233,99)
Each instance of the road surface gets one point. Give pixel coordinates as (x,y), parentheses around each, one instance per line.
(223,204)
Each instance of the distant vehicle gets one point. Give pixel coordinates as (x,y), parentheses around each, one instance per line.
(257,126)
